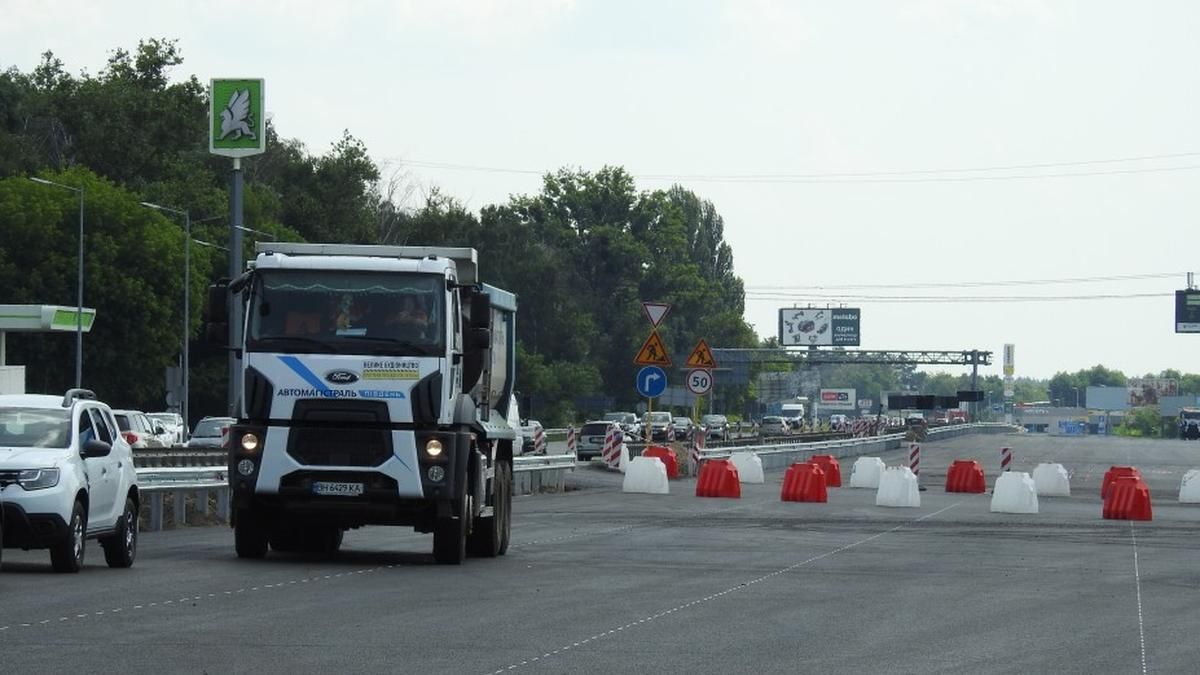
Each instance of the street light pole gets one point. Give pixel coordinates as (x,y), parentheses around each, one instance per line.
(78,282)
(187,308)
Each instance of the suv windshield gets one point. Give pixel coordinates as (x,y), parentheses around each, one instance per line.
(340,312)
(594,429)
(713,419)
(34,428)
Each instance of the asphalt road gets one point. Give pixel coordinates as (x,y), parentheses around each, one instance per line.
(598,581)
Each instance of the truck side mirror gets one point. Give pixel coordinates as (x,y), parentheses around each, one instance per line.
(481,311)
(216,315)
(479,339)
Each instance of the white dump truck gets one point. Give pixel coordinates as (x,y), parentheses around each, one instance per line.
(376,382)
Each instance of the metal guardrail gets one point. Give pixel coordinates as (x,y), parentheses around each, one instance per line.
(778,456)
(155,482)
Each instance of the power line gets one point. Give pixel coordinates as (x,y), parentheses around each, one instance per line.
(975,284)
(820,298)
(886,176)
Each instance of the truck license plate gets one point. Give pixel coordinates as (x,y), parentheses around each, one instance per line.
(337,489)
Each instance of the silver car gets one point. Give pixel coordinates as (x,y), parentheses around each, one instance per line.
(774,426)
(140,431)
(591,438)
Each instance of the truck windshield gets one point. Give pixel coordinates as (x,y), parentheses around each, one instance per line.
(347,312)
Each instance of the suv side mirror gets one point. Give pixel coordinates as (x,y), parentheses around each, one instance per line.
(159,430)
(96,448)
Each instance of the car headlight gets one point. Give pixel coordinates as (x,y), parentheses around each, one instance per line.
(38,479)
(433,447)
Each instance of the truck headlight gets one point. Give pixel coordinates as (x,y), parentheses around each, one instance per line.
(37,479)
(249,442)
(433,447)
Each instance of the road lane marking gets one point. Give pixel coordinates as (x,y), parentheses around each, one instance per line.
(731,589)
(1137,578)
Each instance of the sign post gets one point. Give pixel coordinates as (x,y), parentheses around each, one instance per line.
(237,128)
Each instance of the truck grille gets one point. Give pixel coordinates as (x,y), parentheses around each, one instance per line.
(340,433)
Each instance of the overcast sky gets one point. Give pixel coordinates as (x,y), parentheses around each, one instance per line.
(709,93)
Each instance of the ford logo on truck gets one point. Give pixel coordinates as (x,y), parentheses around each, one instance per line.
(341,377)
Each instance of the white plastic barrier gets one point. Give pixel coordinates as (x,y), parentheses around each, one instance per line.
(1051,480)
(646,475)
(866,472)
(623,462)
(749,467)
(1189,488)
(898,487)
(1015,492)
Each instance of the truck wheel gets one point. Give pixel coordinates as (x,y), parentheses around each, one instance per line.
(121,548)
(490,537)
(250,536)
(450,535)
(325,540)
(67,554)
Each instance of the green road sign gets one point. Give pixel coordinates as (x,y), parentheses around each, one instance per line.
(237,124)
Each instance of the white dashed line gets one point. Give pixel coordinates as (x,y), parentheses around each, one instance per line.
(192,600)
(1137,578)
(731,589)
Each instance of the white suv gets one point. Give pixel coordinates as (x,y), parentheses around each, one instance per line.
(66,475)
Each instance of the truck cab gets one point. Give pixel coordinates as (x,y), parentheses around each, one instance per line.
(376,383)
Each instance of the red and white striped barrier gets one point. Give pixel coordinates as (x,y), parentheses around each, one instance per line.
(539,441)
(914,458)
(1005,459)
(612,448)
(572,443)
(698,435)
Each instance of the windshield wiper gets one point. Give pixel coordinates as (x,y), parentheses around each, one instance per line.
(297,338)
(419,349)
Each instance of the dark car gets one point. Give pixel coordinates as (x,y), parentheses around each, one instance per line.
(682,426)
(591,438)
(717,426)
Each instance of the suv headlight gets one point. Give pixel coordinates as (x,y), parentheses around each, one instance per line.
(37,479)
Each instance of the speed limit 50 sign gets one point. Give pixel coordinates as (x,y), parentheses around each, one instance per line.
(699,381)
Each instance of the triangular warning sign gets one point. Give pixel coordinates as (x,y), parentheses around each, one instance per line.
(653,352)
(656,312)
(701,357)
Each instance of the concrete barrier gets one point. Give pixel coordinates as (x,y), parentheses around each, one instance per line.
(749,467)
(866,472)
(1014,492)
(898,488)
(1189,487)
(646,475)
(1051,480)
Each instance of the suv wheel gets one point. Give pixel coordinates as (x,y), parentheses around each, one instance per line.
(67,555)
(121,548)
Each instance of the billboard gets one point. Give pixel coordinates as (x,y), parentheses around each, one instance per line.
(1009,364)
(1148,390)
(819,327)
(1187,311)
(837,399)
(1107,398)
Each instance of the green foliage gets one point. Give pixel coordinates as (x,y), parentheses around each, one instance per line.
(1143,422)
(133,276)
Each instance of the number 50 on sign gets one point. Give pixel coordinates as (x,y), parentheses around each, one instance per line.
(699,382)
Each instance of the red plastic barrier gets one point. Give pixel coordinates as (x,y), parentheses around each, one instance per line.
(804,482)
(718,478)
(965,475)
(828,464)
(1128,499)
(668,458)
(1113,474)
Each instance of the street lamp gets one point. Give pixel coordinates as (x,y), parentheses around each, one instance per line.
(78,282)
(187,308)
(1076,396)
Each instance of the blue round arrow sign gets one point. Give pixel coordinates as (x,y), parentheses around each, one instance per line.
(651,381)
